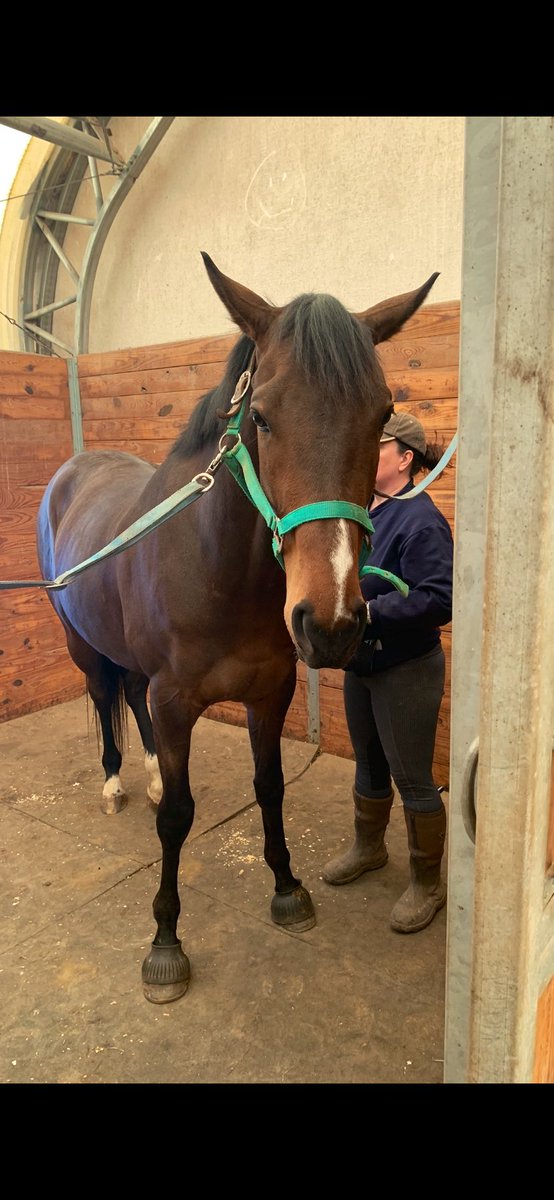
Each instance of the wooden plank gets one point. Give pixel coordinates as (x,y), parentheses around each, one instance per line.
(19,507)
(28,388)
(417,386)
(154,452)
(25,604)
(18,550)
(193,377)
(413,352)
(51,682)
(122,431)
(45,437)
(26,642)
(36,408)
(31,472)
(433,319)
(148,358)
(12,362)
(174,404)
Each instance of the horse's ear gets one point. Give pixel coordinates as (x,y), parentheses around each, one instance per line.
(252,314)
(389,316)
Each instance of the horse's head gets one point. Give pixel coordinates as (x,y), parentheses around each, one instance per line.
(319,402)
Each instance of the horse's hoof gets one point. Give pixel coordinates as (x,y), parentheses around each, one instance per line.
(165,974)
(113,802)
(294,910)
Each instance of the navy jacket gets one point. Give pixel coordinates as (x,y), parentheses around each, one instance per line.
(413,540)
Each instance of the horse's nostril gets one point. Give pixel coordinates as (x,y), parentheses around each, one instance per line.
(299,612)
(327,647)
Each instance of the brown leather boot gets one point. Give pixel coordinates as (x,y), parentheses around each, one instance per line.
(368,851)
(427,891)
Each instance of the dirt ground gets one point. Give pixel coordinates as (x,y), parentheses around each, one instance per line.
(350,1001)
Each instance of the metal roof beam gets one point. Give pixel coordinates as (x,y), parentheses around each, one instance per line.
(133,168)
(62,135)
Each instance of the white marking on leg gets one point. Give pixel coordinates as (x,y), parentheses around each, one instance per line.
(341,562)
(155,786)
(113,795)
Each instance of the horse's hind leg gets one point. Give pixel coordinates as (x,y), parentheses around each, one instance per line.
(166,970)
(291,905)
(105,689)
(104,685)
(135,687)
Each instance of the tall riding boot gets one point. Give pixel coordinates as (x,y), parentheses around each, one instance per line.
(368,852)
(427,891)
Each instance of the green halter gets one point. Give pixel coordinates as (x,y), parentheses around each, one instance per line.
(240,464)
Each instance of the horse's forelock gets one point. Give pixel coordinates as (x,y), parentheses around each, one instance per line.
(330,345)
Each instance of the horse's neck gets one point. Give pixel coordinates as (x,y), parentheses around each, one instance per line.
(228,520)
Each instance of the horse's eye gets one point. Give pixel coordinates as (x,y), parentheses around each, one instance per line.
(259,421)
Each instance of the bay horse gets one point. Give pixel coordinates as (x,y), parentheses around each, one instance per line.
(200,610)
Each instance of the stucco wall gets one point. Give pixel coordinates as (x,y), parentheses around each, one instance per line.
(361,207)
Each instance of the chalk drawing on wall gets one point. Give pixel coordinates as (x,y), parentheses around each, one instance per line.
(277,192)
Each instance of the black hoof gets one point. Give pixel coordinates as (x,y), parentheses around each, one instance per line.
(293,910)
(165,974)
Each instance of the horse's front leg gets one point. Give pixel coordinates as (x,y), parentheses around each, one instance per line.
(291,905)
(166,970)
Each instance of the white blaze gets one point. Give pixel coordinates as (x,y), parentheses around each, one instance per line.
(341,562)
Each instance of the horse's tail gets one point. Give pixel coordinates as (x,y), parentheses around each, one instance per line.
(112,681)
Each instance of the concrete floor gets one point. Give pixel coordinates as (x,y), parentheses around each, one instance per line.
(347,1002)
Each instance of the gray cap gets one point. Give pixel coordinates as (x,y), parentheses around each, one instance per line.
(402,427)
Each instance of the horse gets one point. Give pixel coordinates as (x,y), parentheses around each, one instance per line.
(207,607)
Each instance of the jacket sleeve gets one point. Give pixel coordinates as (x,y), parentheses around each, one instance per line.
(426,565)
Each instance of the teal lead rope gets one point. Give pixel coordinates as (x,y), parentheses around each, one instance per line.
(239,463)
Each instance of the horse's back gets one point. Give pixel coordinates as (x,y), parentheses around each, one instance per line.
(95,486)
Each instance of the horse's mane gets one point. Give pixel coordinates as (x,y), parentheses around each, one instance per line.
(205,425)
(331,346)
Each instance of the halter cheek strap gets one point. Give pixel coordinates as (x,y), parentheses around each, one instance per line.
(239,463)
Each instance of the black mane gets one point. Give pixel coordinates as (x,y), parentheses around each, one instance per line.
(205,426)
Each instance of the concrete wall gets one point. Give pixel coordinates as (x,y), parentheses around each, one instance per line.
(361,207)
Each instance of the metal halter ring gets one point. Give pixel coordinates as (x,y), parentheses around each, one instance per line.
(224,449)
(204,480)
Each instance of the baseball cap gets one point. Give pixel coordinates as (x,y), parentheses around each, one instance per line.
(404,428)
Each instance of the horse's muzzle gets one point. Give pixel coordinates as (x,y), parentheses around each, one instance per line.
(321,647)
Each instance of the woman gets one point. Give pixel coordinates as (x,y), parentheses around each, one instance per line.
(393,686)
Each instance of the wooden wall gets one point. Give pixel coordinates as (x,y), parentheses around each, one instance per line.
(139,400)
(35,438)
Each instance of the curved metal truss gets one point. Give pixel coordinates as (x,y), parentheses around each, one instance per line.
(81,146)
